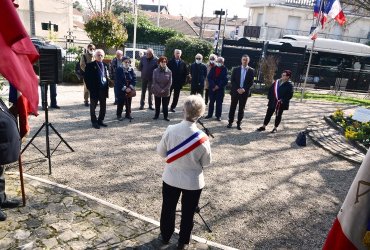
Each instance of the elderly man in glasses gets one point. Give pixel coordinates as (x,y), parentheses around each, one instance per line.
(198,72)
(96,78)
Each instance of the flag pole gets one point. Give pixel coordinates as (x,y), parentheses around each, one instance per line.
(21,179)
(311,52)
(134,38)
(159,12)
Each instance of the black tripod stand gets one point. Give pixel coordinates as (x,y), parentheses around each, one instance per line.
(197,210)
(46,124)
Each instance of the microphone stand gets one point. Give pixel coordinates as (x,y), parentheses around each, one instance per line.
(206,130)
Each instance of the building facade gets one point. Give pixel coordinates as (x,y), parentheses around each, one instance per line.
(277,18)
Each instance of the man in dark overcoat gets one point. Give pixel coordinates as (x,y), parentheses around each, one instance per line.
(96,79)
(179,73)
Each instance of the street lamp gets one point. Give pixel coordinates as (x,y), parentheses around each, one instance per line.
(221,13)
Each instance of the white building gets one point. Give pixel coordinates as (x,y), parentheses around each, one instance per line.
(277,18)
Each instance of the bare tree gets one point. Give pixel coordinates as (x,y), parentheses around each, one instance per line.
(102,6)
(357,6)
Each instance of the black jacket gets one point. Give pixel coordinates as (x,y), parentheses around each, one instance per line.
(179,73)
(235,80)
(93,79)
(10,141)
(285,93)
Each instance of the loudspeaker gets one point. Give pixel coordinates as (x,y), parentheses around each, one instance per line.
(50,64)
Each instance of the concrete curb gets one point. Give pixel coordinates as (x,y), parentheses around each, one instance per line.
(121,209)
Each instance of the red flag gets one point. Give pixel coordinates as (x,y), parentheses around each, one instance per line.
(351,227)
(17,54)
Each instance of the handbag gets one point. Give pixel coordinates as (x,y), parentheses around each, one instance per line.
(110,83)
(131,94)
(301,139)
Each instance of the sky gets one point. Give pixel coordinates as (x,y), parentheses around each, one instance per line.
(190,8)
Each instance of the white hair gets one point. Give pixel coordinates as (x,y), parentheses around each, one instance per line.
(220,58)
(119,52)
(177,50)
(212,56)
(100,51)
(194,107)
(199,55)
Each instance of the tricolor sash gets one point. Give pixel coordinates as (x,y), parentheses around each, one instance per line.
(186,146)
(278,103)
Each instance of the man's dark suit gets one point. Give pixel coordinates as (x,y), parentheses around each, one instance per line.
(239,98)
(98,91)
(179,74)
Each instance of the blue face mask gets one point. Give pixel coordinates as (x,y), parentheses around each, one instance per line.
(218,64)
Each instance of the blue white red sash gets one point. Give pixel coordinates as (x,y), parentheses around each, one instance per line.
(278,102)
(185,147)
(276,87)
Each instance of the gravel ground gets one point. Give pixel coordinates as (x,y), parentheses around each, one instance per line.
(263,190)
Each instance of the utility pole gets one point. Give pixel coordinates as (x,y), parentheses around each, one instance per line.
(201,22)
(221,13)
(32,18)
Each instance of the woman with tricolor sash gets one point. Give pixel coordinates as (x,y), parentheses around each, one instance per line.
(279,95)
(186,150)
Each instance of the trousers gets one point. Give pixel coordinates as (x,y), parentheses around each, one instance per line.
(189,202)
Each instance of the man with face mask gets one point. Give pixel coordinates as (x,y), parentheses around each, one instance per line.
(198,72)
(86,58)
(210,65)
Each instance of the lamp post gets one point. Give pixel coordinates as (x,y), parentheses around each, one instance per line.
(221,13)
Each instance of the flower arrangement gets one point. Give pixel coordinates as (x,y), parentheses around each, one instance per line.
(353,130)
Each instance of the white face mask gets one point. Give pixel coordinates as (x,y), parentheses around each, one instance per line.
(198,61)
(218,64)
(91,52)
(211,61)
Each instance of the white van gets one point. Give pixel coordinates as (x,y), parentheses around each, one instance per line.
(138,53)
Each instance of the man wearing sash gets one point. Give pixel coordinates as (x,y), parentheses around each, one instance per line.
(279,95)
(96,78)
(187,150)
(241,82)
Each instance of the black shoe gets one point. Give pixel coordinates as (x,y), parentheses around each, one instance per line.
(261,129)
(229,125)
(274,130)
(86,104)
(10,204)
(166,119)
(115,103)
(151,108)
(119,118)
(129,117)
(155,118)
(141,108)
(218,119)
(96,125)
(2,216)
(55,107)
(181,246)
(173,110)
(208,117)
(101,123)
(238,127)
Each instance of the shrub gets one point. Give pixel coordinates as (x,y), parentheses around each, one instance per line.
(146,31)
(106,31)
(190,47)
(69,75)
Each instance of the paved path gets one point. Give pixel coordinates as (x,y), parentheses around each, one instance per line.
(58,217)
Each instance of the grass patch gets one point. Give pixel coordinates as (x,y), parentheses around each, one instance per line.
(334,98)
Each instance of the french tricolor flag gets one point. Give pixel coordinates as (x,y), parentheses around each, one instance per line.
(351,228)
(185,147)
(334,10)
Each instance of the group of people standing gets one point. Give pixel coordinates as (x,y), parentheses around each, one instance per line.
(162,78)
